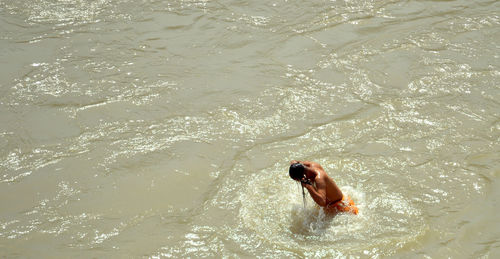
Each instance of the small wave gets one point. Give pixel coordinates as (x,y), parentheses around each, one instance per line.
(273,212)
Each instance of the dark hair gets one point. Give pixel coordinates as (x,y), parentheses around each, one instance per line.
(296,171)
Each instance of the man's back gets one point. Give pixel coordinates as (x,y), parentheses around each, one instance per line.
(333,192)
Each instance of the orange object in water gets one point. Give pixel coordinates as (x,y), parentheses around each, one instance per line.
(344,205)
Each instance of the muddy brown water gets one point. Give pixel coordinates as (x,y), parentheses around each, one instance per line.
(165,128)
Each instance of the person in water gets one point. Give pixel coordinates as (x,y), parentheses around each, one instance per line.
(321,187)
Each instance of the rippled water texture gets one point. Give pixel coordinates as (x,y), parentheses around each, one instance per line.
(164,128)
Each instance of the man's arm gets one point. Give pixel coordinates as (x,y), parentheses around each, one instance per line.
(307,163)
(319,194)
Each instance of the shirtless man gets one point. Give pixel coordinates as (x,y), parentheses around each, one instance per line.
(321,187)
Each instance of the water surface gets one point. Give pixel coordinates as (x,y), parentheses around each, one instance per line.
(164,128)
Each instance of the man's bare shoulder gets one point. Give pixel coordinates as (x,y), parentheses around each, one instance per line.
(309,163)
(316,166)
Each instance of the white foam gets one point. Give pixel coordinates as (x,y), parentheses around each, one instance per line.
(276,214)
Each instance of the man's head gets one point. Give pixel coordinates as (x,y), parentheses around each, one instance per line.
(297,171)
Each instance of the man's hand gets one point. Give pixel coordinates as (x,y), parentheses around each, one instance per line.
(305,181)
